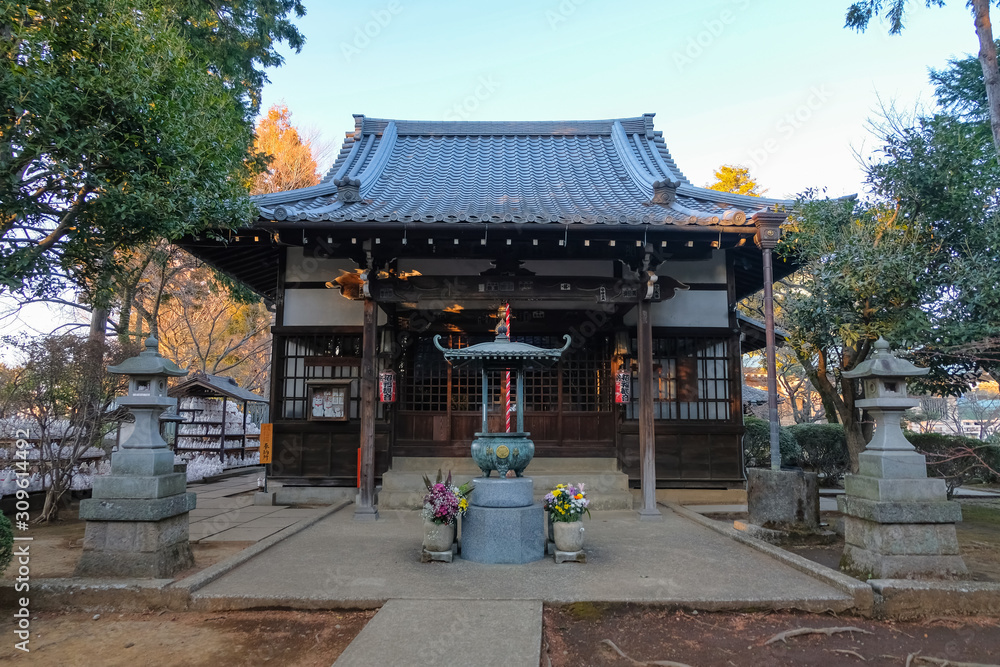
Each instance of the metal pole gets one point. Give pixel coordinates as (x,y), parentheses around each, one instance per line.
(486,396)
(772,375)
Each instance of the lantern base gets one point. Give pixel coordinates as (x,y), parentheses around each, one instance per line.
(136,549)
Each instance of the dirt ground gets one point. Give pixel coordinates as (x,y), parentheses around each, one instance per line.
(574,636)
(57,546)
(978,539)
(189,639)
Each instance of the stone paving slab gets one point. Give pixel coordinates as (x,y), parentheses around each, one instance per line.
(341,563)
(826,504)
(292,513)
(430,633)
(225,503)
(270,521)
(243,533)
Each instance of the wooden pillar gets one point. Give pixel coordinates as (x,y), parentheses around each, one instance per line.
(520,400)
(647,449)
(768,234)
(365,510)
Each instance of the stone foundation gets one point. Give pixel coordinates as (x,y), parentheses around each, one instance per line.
(899,539)
(137,519)
(503,524)
(136,549)
(783,499)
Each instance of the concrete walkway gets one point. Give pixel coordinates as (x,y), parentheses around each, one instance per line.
(430,633)
(432,612)
(225,512)
(340,563)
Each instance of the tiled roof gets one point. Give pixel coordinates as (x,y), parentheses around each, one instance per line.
(615,171)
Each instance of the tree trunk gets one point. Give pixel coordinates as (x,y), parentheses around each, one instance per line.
(853,428)
(988,61)
(125,317)
(98,325)
(826,390)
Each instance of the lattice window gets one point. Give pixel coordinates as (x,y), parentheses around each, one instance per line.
(585,376)
(309,357)
(586,379)
(691,378)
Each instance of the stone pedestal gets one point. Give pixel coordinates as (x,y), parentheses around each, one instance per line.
(503,524)
(783,499)
(137,518)
(897,522)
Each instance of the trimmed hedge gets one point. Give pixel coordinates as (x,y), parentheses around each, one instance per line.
(957,459)
(6,542)
(757,444)
(824,449)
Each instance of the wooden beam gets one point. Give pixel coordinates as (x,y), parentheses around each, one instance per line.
(647,449)
(582,289)
(366,510)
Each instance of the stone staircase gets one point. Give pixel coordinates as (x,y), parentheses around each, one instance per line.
(606,487)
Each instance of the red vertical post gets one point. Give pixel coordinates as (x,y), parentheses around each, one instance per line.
(506,373)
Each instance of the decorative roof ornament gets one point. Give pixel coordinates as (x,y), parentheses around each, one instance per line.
(348,189)
(665,192)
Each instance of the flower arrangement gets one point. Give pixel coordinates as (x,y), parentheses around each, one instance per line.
(444,501)
(567,503)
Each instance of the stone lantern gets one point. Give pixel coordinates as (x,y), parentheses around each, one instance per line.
(137,517)
(897,522)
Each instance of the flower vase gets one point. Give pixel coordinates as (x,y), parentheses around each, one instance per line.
(568,535)
(438,537)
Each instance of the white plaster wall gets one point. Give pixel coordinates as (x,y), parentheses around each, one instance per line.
(706,271)
(692,308)
(321,307)
(301,266)
(573,267)
(444,267)
(541,267)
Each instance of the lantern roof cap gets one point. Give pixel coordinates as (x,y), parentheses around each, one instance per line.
(148,362)
(503,350)
(883,363)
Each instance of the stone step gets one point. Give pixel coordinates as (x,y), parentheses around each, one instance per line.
(429,465)
(544,482)
(601,501)
(606,488)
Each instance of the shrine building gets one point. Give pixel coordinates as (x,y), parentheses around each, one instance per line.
(586,228)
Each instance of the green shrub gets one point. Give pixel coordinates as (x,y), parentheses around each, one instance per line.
(824,449)
(757,445)
(957,459)
(6,542)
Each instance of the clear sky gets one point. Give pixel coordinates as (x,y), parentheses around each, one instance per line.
(779,86)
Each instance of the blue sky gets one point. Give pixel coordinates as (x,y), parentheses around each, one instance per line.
(779,86)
